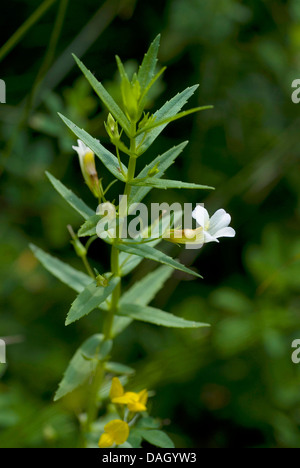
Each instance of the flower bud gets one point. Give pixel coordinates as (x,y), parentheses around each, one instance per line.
(131,94)
(101,281)
(78,246)
(152,172)
(112,127)
(88,168)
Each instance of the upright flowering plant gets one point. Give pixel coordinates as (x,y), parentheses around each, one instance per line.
(131,131)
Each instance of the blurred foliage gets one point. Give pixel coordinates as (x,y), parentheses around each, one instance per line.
(235,384)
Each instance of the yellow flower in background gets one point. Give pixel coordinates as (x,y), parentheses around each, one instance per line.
(116,389)
(135,402)
(115,432)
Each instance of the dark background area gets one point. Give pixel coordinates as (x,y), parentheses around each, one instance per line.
(233,384)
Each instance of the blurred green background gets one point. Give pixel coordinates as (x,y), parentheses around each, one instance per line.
(233,385)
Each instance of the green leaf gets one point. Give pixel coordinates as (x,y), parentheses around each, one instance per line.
(90,298)
(145,290)
(146,251)
(148,423)
(89,227)
(117,368)
(105,97)
(125,445)
(156,316)
(142,293)
(157,438)
(75,279)
(147,68)
(165,184)
(70,197)
(129,261)
(149,86)
(162,162)
(107,158)
(169,109)
(157,123)
(135,438)
(79,368)
(121,69)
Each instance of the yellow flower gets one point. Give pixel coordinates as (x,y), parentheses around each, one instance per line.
(135,402)
(116,389)
(115,432)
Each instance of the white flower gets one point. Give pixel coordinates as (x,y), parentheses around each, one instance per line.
(214,227)
(88,167)
(82,150)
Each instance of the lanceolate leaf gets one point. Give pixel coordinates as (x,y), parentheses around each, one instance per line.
(149,86)
(169,109)
(80,368)
(147,69)
(90,298)
(117,368)
(70,197)
(142,293)
(107,158)
(162,162)
(129,261)
(165,184)
(105,97)
(89,227)
(75,279)
(156,316)
(121,69)
(146,251)
(157,123)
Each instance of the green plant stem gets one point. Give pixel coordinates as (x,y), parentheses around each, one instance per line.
(115,294)
(132,160)
(93,396)
(88,267)
(90,241)
(99,371)
(108,324)
(114,251)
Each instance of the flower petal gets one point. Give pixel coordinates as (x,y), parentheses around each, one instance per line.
(136,407)
(105,441)
(209,238)
(143,397)
(225,232)
(200,214)
(128,397)
(83,147)
(117,389)
(219,220)
(118,430)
